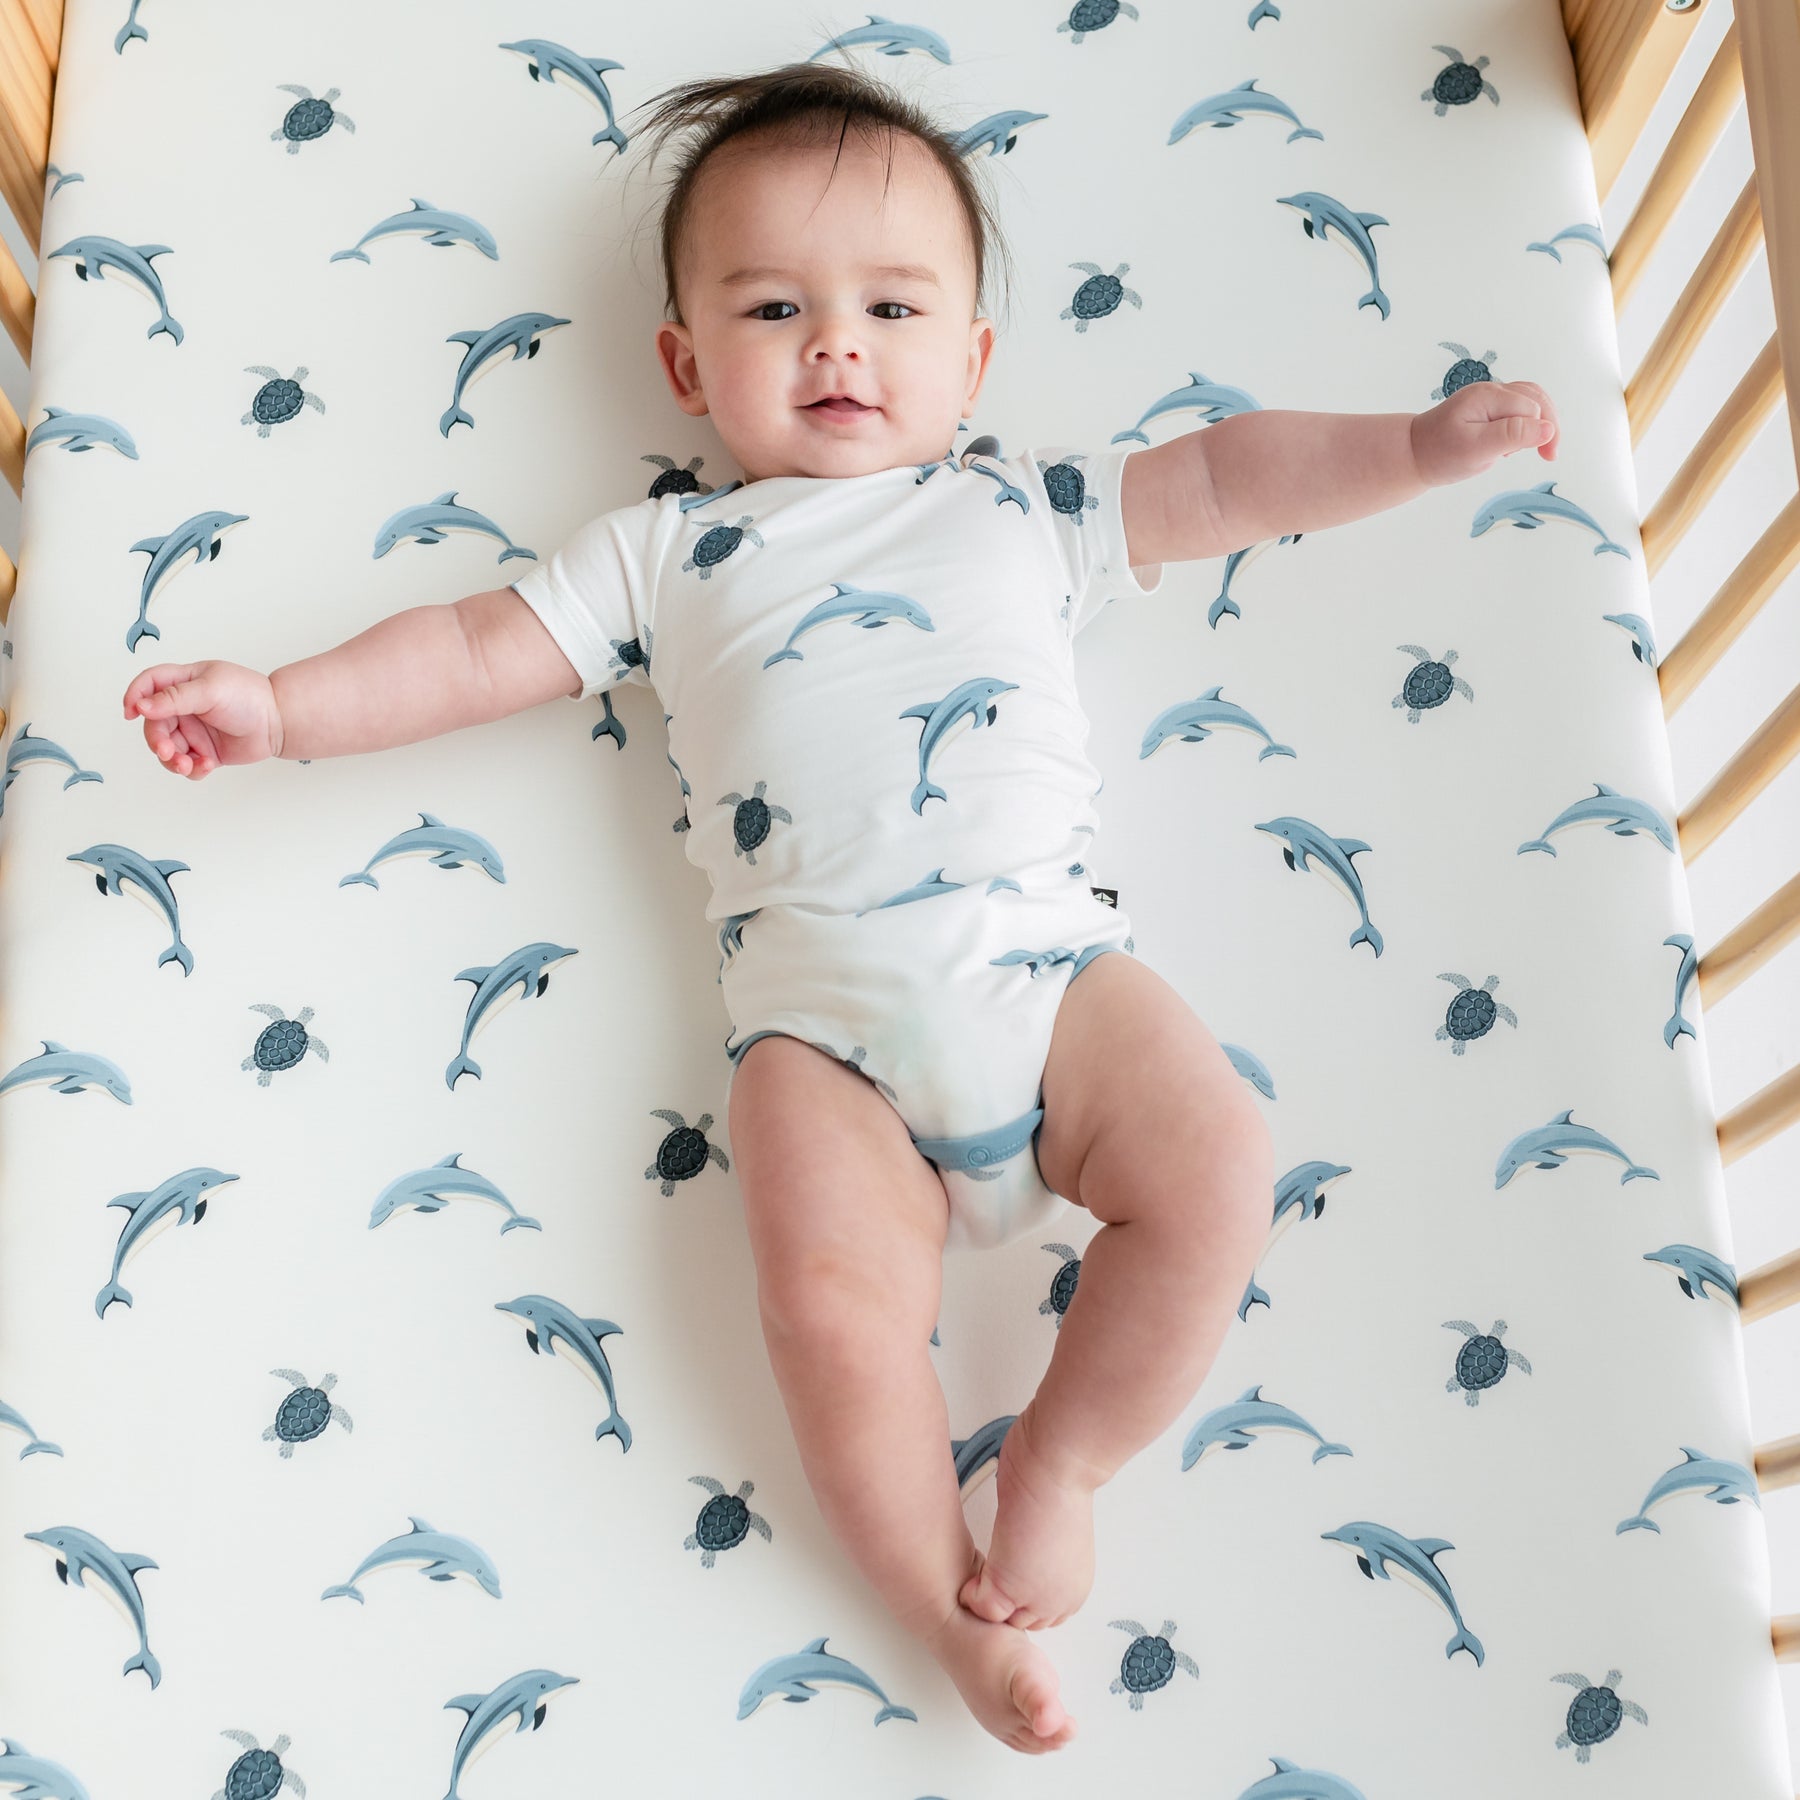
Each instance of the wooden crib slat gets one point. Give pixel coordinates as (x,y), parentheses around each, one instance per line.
(1750,943)
(1766,1114)
(1623,51)
(12,445)
(1768,1289)
(25,100)
(1786,1633)
(9,580)
(1708,288)
(1764,567)
(1713,457)
(1771,58)
(18,305)
(1718,96)
(1765,753)
(1777,1464)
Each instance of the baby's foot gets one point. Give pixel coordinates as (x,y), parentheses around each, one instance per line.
(1009,1683)
(1040,1563)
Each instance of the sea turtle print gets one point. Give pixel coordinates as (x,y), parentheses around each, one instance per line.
(258,1774)
(1472,1012)
(724,1521)
(684,1152)
(1594,1714)
(282,1043)
(1062,1284)
(1067,488)
(1095,15)
(750,822)
(719,542)
(677,481)
(1464,370)
(1481,1360)
(1149,1661)
(278,399)
(305,1412)
(1460,83)
(1429,682)
(307,118)
(1099,295)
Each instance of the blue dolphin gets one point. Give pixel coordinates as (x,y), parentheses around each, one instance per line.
(1548,1147)
(441,229)
(81,431)
(1416,1559)
(526,1694)
(1619,813)
(1228,108)
(1724,1481)
(549,1321)
(102,253)
(522,968)
(69,1072)
(1321,213)
(78,1552)
(799,1676)
(972,700)
(586,74)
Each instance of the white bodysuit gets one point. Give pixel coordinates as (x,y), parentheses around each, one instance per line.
(870,695)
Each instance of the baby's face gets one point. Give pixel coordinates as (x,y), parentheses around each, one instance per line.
(823,317)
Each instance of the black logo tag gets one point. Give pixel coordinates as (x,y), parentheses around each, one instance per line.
(1109,895)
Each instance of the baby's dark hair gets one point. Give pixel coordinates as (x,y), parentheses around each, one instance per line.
(806,104)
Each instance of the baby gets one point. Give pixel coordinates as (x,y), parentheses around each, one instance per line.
(914,895)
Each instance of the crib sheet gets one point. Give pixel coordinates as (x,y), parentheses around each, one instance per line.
(1465,1504)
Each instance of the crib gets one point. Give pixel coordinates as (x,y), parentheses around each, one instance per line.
(291,1316)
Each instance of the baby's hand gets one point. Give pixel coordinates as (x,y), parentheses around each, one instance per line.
(1477,425)
(199,715)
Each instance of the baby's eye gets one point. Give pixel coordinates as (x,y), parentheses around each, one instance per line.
(757,312)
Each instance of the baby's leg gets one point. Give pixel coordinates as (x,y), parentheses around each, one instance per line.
(847,1223)
(1149,1126)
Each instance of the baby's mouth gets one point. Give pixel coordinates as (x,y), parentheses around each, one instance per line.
(838,405)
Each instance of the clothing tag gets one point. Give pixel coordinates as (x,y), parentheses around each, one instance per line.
(1109,895)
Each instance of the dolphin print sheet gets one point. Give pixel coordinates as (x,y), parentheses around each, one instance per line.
(384,1433)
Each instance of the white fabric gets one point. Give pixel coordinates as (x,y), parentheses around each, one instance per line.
(368,1254)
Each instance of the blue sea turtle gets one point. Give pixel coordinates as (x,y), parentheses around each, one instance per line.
(1429,682)
(750,822)
(1473,1011)
(724,1521)
(305,1412)
(1481,1360)
(677,481)
(1464,371)
(1095,15)
(278,399)
(683,1152)
(1460,83)
(1099,295)
(718,543)
(1594,1714)
(1149,1662)
(282,1043)
(258,1774)
(1067,488)
(307,118)
(1062,1285)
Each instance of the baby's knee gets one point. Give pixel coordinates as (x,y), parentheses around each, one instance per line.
(843,1307)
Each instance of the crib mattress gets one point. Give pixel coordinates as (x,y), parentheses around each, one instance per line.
(1464,1505)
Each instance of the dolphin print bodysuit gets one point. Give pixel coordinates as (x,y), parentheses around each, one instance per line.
(870,694)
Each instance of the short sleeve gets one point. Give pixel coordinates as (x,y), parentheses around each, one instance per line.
(596,594)
(1081,494)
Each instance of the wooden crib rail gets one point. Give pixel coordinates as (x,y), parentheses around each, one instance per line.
(1624,52)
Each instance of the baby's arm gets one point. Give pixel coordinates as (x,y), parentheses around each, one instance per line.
(417,674)
(1269,473)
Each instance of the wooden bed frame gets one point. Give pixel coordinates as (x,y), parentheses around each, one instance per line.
(1624,51)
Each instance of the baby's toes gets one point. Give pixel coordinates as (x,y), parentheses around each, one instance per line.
(983,1596)
(1034,1692)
